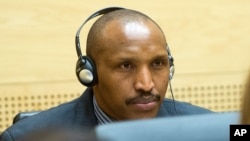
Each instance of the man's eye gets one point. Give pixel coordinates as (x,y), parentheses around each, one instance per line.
(159,64)
(126,65)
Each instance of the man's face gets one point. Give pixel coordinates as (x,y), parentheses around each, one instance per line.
(133,70)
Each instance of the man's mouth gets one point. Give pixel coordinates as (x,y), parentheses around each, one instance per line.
(145,103)
(143,100)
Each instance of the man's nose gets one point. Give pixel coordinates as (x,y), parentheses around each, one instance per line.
(144,80)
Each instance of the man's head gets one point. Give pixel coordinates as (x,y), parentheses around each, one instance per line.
(129,51)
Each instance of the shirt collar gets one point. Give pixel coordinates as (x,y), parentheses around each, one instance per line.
(102,118)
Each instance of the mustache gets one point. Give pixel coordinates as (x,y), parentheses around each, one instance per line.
(143,97)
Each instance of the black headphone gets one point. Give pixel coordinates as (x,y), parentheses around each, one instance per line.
(85,66)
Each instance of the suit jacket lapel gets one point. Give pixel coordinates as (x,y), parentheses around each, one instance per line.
(84,115)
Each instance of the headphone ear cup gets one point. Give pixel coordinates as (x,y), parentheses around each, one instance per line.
(171,72)
(171,66)
(86,71)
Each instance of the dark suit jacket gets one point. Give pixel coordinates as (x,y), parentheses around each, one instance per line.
(79,113)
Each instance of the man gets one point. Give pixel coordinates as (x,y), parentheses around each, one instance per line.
(132,63)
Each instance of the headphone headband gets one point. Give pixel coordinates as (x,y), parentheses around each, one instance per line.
(97,13)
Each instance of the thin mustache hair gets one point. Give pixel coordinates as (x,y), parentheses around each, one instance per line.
(144,95)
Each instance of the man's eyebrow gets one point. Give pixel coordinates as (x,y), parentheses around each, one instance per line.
(161,56)
(124,58)
(127,58)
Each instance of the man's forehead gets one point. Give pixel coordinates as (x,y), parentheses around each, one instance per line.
(137,53)
(134,29)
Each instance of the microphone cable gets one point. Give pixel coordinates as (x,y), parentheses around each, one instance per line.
(172,94)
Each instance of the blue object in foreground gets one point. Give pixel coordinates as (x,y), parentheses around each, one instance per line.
(205,127)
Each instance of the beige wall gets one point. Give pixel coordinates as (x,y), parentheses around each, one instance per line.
(208,39)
